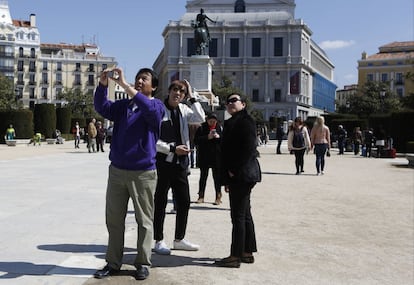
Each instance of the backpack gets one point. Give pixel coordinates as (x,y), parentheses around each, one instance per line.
(298,139)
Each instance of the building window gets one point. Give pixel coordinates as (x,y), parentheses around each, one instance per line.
(31,93)
(239,6)
(32,79)
(212,48)
(32,66)
(384,77)
(20,65)
(91,67)
(190,47)
(370,77)
(400,92)
(44,78)
(104,66)
(399,78)
(44,93)
(77,79)
(58,92)
(91,80)
(234,47)
(278,47)
(256,47)
(255,95)
(58,78)
(20,78)
(45,65)
(32,53)
(78,66)
(59,66)
(278,95)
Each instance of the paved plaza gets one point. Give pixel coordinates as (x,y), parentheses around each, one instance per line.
(353,225)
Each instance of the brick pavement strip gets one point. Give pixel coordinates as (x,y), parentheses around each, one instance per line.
(353,225)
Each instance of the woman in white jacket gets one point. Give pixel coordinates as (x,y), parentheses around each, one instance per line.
(173,149)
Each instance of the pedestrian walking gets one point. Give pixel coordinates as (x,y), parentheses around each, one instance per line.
(321,142)
(298,143)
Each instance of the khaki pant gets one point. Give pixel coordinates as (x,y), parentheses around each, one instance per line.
(140,187)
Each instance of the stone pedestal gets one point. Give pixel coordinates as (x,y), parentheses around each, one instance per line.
(201,77)
(201,72)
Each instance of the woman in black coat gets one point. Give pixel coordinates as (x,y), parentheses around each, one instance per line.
(207,140)
(240,173)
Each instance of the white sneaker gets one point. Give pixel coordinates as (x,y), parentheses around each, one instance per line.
(161,248)
(185,245)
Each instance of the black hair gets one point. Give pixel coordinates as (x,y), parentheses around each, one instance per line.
(154,76)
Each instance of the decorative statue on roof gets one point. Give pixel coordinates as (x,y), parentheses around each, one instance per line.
(201,33)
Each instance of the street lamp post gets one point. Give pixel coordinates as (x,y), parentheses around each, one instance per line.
(382,97)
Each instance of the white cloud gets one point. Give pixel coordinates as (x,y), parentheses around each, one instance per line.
(336,44)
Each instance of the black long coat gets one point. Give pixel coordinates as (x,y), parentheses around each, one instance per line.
(208,151)
(238,147)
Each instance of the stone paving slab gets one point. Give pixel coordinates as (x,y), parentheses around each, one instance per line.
(353,225)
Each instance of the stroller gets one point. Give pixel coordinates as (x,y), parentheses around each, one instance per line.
(58,136)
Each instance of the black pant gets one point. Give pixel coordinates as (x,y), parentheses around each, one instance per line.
(279,143)
(203,180)
(243,237)
(175,177)
(299,154)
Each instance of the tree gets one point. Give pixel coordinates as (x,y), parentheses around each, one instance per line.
(8,99)
(408,101)
(373,97)
(80,103)
(224,88)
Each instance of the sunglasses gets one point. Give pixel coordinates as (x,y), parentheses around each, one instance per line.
(233,100)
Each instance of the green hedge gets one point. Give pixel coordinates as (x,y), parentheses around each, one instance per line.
(45,119)
(22,121)
(63,120)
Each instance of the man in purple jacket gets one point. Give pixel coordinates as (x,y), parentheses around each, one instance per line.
(132,172)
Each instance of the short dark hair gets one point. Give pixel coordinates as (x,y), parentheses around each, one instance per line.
(154,76)
(242,98)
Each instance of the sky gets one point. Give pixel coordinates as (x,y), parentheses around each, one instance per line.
(131,30)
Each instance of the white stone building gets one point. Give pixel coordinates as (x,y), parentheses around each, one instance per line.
(262,48)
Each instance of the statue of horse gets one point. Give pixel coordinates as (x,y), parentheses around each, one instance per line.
(201,40)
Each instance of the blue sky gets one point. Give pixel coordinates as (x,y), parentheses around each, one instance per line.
(130,30)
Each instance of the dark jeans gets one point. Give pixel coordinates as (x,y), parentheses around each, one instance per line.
(356,147)
(175,177)
(368,148)
(279,143)
(203,180)
(299,154)
(243,237)
(320,150)
(341,146)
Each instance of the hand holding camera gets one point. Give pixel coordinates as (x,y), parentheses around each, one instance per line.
(112,74)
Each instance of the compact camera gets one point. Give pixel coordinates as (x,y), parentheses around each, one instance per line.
(112,74)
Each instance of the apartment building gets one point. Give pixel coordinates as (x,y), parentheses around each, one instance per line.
(390,65)
(262,48)
(342,95)
(41,71)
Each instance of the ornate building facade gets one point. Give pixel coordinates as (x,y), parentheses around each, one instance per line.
(391,65)
(262,48)
(42,71)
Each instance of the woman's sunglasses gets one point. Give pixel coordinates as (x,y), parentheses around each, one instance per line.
(233,100)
